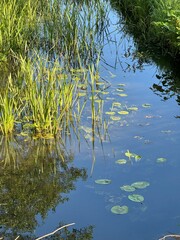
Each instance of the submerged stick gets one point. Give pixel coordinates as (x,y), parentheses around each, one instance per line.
(170,236)
(49,234)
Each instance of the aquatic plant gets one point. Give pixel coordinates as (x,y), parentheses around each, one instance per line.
(47,56)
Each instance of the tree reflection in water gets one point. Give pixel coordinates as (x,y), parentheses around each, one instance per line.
(34,175)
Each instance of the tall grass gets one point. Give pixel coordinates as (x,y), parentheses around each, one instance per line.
(67,37)
(18,22)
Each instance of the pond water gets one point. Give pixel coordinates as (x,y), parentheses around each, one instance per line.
(150,129)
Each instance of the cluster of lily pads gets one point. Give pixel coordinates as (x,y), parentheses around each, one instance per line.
(117,209)
(117,109)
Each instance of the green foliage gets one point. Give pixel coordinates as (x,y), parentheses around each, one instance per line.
(156,21)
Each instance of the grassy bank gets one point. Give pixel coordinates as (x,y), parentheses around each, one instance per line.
(154,22)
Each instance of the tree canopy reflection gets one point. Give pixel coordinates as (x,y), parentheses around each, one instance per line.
(32,181)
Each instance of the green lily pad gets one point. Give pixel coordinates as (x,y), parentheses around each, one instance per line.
(104,93)
(122,94)
(161,160)
(110,113)
(136,157)
(133,108)
(128,188)
(120,90)
(132,155)
(119,209)
(140,185)
(121,161)
(146,105)
(116,104)
(136,198)
(103,181)
(115,118)
(123,112)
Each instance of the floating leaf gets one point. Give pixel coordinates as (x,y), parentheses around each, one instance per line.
(136,198)
(161,160)
(103,181)
(109,98)
(140,185)
(122,84)
(104,93)
(116,104)
(122,94)
(128,188)
(123,112)
(146,105)
(136,157)
(128,154)
(133,108)
(120,89)
(120,209)
(115,118)
(110,113)
(132,155)
(121,161)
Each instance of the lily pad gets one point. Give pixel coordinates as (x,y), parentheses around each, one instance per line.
(128,188)
(103,181)
(119,209)
(104,93)
(136,198)
(110,113)
(122,95)
(116,104)
(115,118)
(121,161)
(133,108)
(140,185)
(123,112)
(132,155)
(146,105)
(161,160)
(120,90)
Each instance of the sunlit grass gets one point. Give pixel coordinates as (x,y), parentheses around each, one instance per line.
(47,48)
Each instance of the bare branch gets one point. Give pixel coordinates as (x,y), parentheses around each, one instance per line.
(170,236)
(49,234)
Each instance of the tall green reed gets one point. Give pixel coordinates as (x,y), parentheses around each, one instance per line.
(9,107)
(49,96)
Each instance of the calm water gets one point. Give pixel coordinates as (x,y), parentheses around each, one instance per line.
(152,133)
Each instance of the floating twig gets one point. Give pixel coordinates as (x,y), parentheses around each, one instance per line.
(49,234)
(170,236)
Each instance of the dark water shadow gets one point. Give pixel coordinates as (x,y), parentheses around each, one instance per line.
(36,176)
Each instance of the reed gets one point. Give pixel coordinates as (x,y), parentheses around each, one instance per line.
(8,108)
(47,48)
